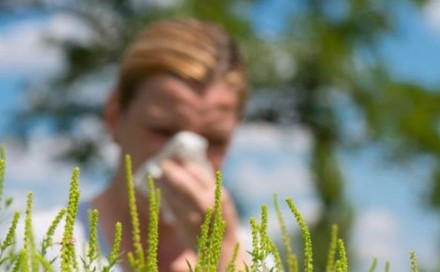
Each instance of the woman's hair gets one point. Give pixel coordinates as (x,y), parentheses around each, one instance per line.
(196,51)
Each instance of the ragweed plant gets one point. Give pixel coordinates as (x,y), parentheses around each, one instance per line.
(28,258)
(264,254)
(387,266)
(212,230)
(48,238)
(343,261)
(413,258)
(153,226)
(136,259)
(7,248)
(203,248)
(2,173)
(308,252)
(330,267)
(291,259)
(263,248)
(231,264)
(373,265)
(143,259)
(20,263)
(4,202)
(113,258)
(29,241)
(68,254)
(93,254)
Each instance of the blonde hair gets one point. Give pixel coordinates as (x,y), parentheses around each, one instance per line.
(196,51)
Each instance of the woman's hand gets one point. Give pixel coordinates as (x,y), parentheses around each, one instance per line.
(188,191)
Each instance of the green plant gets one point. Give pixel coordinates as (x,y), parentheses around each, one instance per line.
(264,255)
(212,230)
(113,258)
(291,259)
(92,252)
(332,249)
(68,253)
(4,202)
(308,252)
(47,240)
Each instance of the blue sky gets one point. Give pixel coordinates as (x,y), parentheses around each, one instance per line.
(9,99)
(413,54)
(390,193)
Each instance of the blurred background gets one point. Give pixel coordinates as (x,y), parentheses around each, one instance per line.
(343,116)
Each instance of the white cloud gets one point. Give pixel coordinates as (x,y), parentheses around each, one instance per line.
(379,229)
(377,233)
(266,160)
(269,160)
(268,137)
(63,26)
(35,163)
(24,49)
(35,169)
(432,14)
(160,3)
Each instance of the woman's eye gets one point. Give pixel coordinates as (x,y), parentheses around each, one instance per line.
(217,142)
(162,132)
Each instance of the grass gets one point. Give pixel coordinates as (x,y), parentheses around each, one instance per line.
(264,254)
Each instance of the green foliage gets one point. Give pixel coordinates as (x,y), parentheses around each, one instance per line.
(373,265)
(92,253)
(47,240)
(209,242)
(153,226)
(343,261)
(308,252)
(202,243)
(20,262)
(4,202)
(8,242)
(29,241)
(263,247)
(113,258)
(231,264)
(211,236)
(387,266)
(292,262)
(93,247)
(68,255)
(2,173)
(46,264)
(218,227)
(414,267)
(136,259)
(332,249)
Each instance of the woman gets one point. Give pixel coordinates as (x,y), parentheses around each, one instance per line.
(179,75)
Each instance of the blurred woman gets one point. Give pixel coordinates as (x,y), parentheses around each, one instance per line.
(178,75)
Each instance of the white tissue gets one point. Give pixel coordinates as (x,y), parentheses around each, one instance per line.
(184,146)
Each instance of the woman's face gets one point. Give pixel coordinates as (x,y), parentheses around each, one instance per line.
(166,105)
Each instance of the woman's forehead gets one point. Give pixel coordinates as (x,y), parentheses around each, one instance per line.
(175,103)
(173,93)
